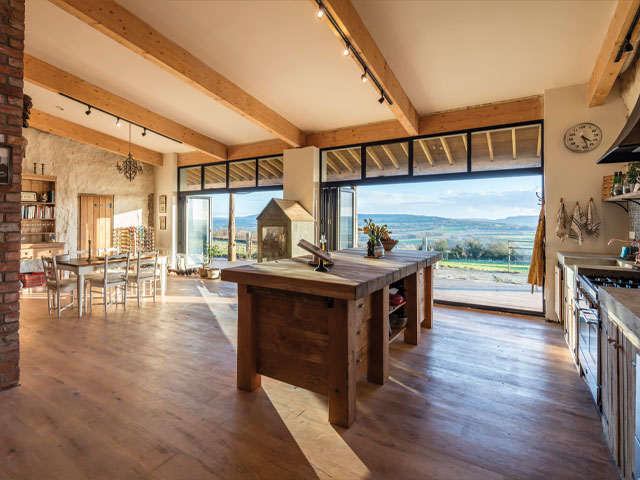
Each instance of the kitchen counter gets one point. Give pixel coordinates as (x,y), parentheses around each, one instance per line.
(623,306)
(322,331)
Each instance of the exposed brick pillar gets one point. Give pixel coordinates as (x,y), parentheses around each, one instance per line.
(11,86)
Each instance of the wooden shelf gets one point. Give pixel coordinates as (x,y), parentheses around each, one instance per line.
(39,178)
(34,219)
(396,307)
(395,333)
(39,203)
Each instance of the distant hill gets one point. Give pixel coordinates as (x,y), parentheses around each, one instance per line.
(432,222)
(520,220)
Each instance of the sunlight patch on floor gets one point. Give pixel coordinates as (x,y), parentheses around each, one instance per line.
(228,323)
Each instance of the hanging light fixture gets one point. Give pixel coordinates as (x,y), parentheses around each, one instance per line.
(129,168)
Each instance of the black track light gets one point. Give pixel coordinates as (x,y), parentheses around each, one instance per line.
(88,112)
(320,11)
(363,77)
(381,99)
(118,123)
(144,132)
(346,50)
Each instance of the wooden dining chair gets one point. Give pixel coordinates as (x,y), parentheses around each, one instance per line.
(115,275)
(56,285)
(146,271)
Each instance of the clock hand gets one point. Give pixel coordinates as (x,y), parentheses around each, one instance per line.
(585,141)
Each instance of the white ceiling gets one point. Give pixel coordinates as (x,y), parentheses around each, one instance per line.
(446,54)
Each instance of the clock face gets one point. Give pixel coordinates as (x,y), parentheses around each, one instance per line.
(583,137)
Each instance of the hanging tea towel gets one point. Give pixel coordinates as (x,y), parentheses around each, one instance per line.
(577,223)
(593,220)
(561,222)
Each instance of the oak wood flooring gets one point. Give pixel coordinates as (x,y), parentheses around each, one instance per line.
(150,393)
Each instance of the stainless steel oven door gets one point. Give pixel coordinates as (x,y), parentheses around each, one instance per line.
(588,331)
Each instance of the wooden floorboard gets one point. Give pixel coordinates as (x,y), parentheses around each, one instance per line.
(150,393)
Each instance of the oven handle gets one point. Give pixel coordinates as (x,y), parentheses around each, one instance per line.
(592,311)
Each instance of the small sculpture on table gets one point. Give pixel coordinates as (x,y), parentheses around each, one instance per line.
(324,258)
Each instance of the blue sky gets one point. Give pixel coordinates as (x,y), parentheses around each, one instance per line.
(485,198)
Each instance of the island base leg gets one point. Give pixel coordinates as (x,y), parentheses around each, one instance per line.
(248,378)
(428,297)
(378,368)
(413,308)
(342,363)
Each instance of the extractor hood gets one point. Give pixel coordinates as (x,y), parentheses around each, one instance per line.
(626,148)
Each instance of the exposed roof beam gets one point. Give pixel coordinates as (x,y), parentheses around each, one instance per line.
(375,158)
(464,140)
(447,152)
(403,145)
(349,21)
(269,168)
(539,149)
(121,25)
(343,160)
(391,156)
(195,158)
(606,69)
(257,149)
(56,80)
(490,144)
(425,149)
(513,143)
(353,155)
(274,163)
(58,126)
(331,166)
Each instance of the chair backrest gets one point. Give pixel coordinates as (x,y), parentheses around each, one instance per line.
(147,263)
(78,253)
(50,270)
(119,262)
(108,251)
(64,257)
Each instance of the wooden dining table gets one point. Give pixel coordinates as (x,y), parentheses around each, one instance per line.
(84,266)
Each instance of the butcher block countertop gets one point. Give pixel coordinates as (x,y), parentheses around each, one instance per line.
(352,277)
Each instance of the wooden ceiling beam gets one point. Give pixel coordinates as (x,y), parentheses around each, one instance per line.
(58,126)
(490,145)
(349,21)
(606,69)
(257,149)
(119,24)
(375,158)
(352,154)
(58,81)
(343,160)
(425,149)
(513,143)
(539,148)
(391,156)
(447,151)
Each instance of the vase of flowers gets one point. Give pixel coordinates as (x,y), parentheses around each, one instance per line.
(376,233)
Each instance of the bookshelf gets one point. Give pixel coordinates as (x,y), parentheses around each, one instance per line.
(38,223)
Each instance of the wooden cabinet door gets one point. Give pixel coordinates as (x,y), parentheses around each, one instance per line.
(559,292)
(610,387)
(95,222)
(628,367)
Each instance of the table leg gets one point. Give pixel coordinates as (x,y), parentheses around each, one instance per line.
(247,361)
(163,278)
(342,363)
(80,293)
(428,297)
(413,308)
(378,368)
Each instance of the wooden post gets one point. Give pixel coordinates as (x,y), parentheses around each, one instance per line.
(247,375)
(413,285)
(342,363)
(231,253)
(378,368)
(428,297)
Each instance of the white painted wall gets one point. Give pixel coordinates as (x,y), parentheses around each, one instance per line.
(575,176)
(80,169)
(166,183)
(301,180)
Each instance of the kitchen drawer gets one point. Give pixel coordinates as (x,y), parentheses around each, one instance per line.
(27,254)
(48,252)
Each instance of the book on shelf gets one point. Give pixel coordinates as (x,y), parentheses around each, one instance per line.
(40,212)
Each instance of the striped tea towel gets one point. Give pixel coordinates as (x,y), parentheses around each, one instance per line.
(561,222)
(577,223)
(593,220)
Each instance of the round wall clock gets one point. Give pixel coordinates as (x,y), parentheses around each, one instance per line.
(583,137)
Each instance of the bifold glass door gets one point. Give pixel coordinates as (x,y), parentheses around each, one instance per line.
(338,217)
(198,229)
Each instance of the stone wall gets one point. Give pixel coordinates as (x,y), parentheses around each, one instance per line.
(85,169)
(11,84)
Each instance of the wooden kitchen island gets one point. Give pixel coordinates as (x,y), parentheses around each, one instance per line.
(322,331)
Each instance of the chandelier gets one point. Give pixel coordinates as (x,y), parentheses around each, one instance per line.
(129,168)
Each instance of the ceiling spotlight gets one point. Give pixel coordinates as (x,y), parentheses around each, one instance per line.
(347,47)
(118,123)
(321,11)
(88,112)
(363,77)
(381,99)
(144,132)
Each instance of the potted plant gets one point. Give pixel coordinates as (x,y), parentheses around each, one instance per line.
(376,233)
(209,253)
(632,176)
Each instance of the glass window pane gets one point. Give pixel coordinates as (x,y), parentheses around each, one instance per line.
(341,164)
(215,176)
(346,219)
(507,148)
(447,154)
(242,174)
(270,171)
(388,160)
(190,179)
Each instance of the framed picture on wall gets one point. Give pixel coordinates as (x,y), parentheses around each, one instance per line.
(6,164)
(163,222)
(162,208)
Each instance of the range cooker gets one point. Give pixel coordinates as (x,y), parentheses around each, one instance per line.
(589,326)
